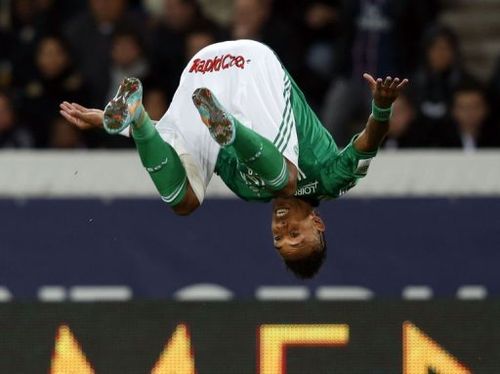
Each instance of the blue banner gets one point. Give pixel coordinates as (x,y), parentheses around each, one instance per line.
(382,245)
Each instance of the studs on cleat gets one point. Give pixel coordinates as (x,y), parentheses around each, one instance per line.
(219,123)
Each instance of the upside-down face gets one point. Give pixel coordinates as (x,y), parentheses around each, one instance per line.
(296,228)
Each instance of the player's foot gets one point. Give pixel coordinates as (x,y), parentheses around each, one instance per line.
(219,122)
(122,110)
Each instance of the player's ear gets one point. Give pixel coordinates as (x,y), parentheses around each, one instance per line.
(318,223)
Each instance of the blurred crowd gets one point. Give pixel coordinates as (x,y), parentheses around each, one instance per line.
(80,50)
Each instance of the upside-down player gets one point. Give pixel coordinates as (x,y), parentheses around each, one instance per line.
(259,135)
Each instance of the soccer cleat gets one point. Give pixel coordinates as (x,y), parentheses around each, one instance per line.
(125,107)
(219,122)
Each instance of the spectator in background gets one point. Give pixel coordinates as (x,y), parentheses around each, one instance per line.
(436,80)
(403,127)
(155,101)
(494,91)
(6,66)
(12,135)
(380,37)
(252,20)
(470,125)
(319,33)
(90,35)
(54,80)
(25,28)
(64,136)
(128,58)
(180,17)
(54,13)
(27,22)
(320,21)
(198,39)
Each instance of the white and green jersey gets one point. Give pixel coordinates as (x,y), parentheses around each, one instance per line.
(249,81)
(324,172)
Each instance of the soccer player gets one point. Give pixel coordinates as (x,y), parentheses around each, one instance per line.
(238,113)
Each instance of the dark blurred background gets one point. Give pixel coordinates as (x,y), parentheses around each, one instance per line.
(54,50)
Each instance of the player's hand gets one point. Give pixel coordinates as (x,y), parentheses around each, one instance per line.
(81,117)
(385,91)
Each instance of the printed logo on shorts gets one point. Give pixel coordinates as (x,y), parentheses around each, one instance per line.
(218,63)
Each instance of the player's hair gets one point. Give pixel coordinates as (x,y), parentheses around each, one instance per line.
(307,268)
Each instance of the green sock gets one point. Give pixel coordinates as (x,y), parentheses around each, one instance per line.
(261,156)
(160,160)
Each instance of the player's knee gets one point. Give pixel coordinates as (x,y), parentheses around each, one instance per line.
(185,208)
(182,210)
(188,204)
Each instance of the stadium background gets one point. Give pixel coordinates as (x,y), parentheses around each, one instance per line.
(97,276)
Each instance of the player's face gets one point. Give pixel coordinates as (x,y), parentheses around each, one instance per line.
(296,228)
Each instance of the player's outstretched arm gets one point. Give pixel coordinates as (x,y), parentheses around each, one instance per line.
(81,117)
(384,92)
(85,119)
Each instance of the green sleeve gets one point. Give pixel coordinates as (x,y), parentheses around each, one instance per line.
(342,171)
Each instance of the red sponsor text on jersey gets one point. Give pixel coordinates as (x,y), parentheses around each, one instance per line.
(217,63)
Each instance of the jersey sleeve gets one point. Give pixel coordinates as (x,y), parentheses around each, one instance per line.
(344,170)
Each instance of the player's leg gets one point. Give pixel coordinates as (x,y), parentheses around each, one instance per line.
(160,160)
(158,157)
(254,150)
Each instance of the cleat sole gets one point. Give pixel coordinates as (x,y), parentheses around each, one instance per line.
(219,123)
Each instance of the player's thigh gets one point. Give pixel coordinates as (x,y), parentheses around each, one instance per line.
(196,149)
(268,107)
